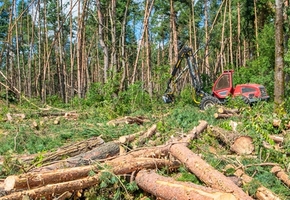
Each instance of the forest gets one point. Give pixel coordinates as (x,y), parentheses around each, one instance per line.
(81,85)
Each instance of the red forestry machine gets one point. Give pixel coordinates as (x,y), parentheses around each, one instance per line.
(222,87)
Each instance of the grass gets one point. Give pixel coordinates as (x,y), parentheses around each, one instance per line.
(20,137)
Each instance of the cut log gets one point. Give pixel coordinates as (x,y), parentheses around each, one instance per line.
(145,136)
(241,145)
(32,180)
(276,122)
(55,189)
(129,138)
(281,175)
(277,139)
(65,151)
(118,167)
(222,115)
(194,133)
(206,173)
(262,192)
(103,151)
(128,120)
(168,188)
(163,150)
(223,110)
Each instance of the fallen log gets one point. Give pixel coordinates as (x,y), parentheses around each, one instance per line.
(129,138)
(128,120)
(193,134)
(103,151)
(168,188)
(223,110)
(276,139)
(123,166)
(65,151)
(240,144)
(145,136)
(222,115)
(163,150)
(58,188)
(32,180)
(281,175)
(262,192)
(206,173)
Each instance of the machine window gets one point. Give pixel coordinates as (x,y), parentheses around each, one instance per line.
(247,89)
(223,83)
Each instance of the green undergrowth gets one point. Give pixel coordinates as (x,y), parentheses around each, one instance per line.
(173,120)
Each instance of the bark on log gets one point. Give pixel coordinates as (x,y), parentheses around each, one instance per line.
(129,138)
(51,182)
(142,139)
(55,189)
(277,139)
(276,122)
(103,151)
(124,166)
(32,180)
(168,188)
(222,115)
(281,175)
(262,192)
(194,133)
(65,151)
(223,110)
(242,145)
(163,150)
(212,177)
(128,120)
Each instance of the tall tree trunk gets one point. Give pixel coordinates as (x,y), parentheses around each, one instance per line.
(239,57)
(221,57)
(193,26)
(148,9)
(173,22)
(9,66)
(71,49)
(206,61)
(79,51)
(279,60)
(123,49)
(256,28)
(102,41)
(18,81)
(231,35)
(112,13)
(60,62)
(148,64)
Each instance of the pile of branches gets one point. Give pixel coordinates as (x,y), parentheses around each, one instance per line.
(59,178)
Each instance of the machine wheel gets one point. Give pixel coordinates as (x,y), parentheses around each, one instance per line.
(208,101)
(246,100)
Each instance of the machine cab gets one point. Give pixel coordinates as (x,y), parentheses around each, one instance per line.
(223,86)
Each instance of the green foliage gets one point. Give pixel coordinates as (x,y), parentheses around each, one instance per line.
(263,176)
(112,187)
(185,175)
(261,69)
